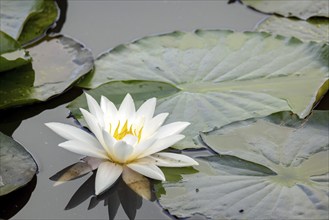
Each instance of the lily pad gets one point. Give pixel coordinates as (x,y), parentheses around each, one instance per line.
(17,165)
(11,53)
(58,62)
(220,76)
(292,8)
(287,178)
(314,29)
(27,20)
(38,24)
(14,14)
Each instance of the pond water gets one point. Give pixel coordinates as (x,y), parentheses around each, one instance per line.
(102,25)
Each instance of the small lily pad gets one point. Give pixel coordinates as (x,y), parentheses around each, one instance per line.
(27,20)
(314,29)
(17,165)
(38,24)
(58,62)
(268,169)
(217,77)
(293,8)
(14,14)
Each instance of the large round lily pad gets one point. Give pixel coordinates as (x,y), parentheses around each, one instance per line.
(283,173)
(293,8)
(17,165)
(58,62)
(314,29)
(220,76)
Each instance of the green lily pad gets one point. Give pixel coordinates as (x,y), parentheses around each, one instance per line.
(293,8)
(14,15)
(11,53)
(314,29)
(287,178)
(37,25)
(58,62)
(17,165)
(220,76)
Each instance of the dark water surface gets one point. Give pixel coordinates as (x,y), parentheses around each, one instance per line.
(102,25)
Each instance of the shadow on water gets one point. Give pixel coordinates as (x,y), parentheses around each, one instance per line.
(11,118)
(13,202)
(118,194)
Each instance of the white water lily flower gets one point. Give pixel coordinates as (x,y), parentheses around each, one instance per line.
(124,139)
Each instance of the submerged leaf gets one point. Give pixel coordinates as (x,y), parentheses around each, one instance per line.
(293,8)
(11,53)
(57,63)
(17,165)
(216,77)
(315,29)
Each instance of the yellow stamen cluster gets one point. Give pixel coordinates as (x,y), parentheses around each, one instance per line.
(119,135)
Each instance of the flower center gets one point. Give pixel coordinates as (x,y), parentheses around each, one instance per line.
(119,135)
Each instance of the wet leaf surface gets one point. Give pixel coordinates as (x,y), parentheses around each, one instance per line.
(57,63)
(17,165)
(217,77)
(315,29)
(270,168)
(292,8)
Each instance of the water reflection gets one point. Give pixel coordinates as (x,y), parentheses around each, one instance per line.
(118,194)
(13,202)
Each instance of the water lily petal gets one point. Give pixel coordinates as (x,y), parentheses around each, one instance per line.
(95,109)
(152,125)
(130,139)
(142,146)
(93,162)
(146,110)
(171,129)
(109,142)
(83,148)
(93,125)
(122,151)
(127,109)
(107,174)
(70,132)
(172,160)
(110,111)
(161,144)
(146,169)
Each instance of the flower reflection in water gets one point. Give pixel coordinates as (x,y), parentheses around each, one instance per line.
(130,197)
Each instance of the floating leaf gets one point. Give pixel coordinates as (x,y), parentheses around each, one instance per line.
(290,182)
(272,142)
(292,8)
(57,63)
(17,165)
(26,20)
(38,24)
(287,178)
(14,15)
(11,53)
(216,77)
(314,29)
